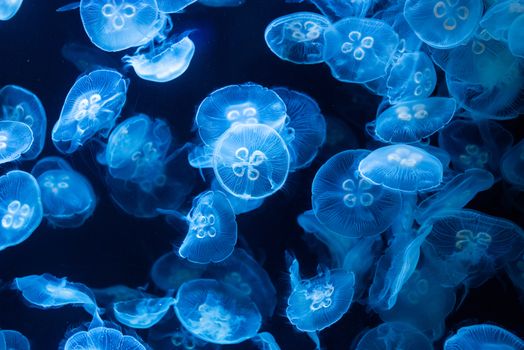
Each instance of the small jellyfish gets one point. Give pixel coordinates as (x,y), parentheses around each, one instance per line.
(412,121)
(251,161)
(13,340)
(9,8)
(21,105)
(298,37)
(402,167)
(173,6)
(221,3)
(16,138)
(359,50)
(91,107)
(238,104)
(20,207)
(212,233)
(443,23)
(170,271)
(102,338)
(485,337)
(516,37)
(512,165)
(142,313)
(216,313)
(394,335)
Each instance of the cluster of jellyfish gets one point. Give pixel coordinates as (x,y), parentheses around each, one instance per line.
(393,217)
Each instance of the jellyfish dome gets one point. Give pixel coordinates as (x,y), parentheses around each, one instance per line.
(251,161)
(173,6)
(402,167)
(348,204)
(216,313)
(212,231)
(91,106)
(102,338)
(170,271)
(19,104)
(483,336)
(298,37)
(238,104)
(20,207)
(142,313)
(13,340)
(512,165)
(394,335)
(16,138)
(9,8)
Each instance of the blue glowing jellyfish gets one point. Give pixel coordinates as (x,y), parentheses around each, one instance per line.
(173,6)
(298,37)
(20,207)
(402,167)
(498,18)
(102,338)
(170,271)
(13,340)
(483,336)
(512,165)
(91,106)
(359,50)
(222,3)
(305,128)
(251,161)
(142,313)
(348,204)
(238,104)
(319,302)
(443,23)
(265,341)
(412,121)
(394,335)
(212,233)
(9,8)
(216,313)
(516,37)
(16,138)
(19,104)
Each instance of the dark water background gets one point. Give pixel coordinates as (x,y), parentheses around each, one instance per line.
(115,248)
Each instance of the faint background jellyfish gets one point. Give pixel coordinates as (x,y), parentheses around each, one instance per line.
(9,8)
(483,336)
(305,128)
(512,165)
(173,6)
(298,37)
(19,104)
(238,104)
(265,341)
(170,271)
(498,19)
(142,313)
(102,338)
(216,313)
(221,3)
(16,138)
(91,107)
(251,161)
(105,297)
(515,271)
(13,340)
(348,204)
(402,167)
(20,207)
(515,37)
(359,50)
(394,335)
(414,120)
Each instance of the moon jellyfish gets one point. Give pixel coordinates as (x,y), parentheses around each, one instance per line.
(319,302)
(16,138)
(142,313)
(221,3)
(516,37)
(21,105)
(394,335)
(173,6)
(212,233)
(298,37)
(359,50)
(265,341)
(251,161)
(238,104)
(91,107)
(102,338)
(20,207)
(170,271)
(512,165)
(498,19)
(9,8)
(13,340)
(402,167)
(483,336)
(348,204)
(216,313)
(443,23)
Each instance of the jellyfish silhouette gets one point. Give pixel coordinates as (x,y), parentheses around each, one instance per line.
(142,313)
(102,338)
(483,336)
(16,138)
(9,8)
(394,335)
(170,271)
(13,340)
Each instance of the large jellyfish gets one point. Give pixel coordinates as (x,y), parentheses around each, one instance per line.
(91,107)
(512,165)
(212,233)
(170,271)
(402,167)
(215,312)
(16,139)
(173,6)
(13,340)
(9,8)
(298,37)
(251,161)
(142,313)
(20,207)
(483,336)
(102,338)
(348,204)
(394,335)
(19,104)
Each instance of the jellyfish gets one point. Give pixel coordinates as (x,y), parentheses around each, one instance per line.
(102,338)
(348,204)
(265,341)
(20,207)
(50,163)
(9,8)
(516,37)
(298,37)
(483,336)
(170,271)
(91,107)
(319,302)
(358,50)
(13,340)
(394,335)
(221,3)
(498,19)
(402,167)
(251,161)
(21,105)
(142,313)
(212,233)
(512,165)
(216,313)
(173,6)
(305,129)
(238,104)
(443,23)
(16,138)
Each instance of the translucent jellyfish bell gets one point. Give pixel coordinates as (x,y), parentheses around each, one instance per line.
(402,167)
(394,335)
(142,313)
(298,37)
(170,271)
(498,18)
(91,107)
(13,340)
(9,8)
(173,6)
(16,138)
(102,338)
(19,104)
(20,207)
(251,161)
(483,336)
